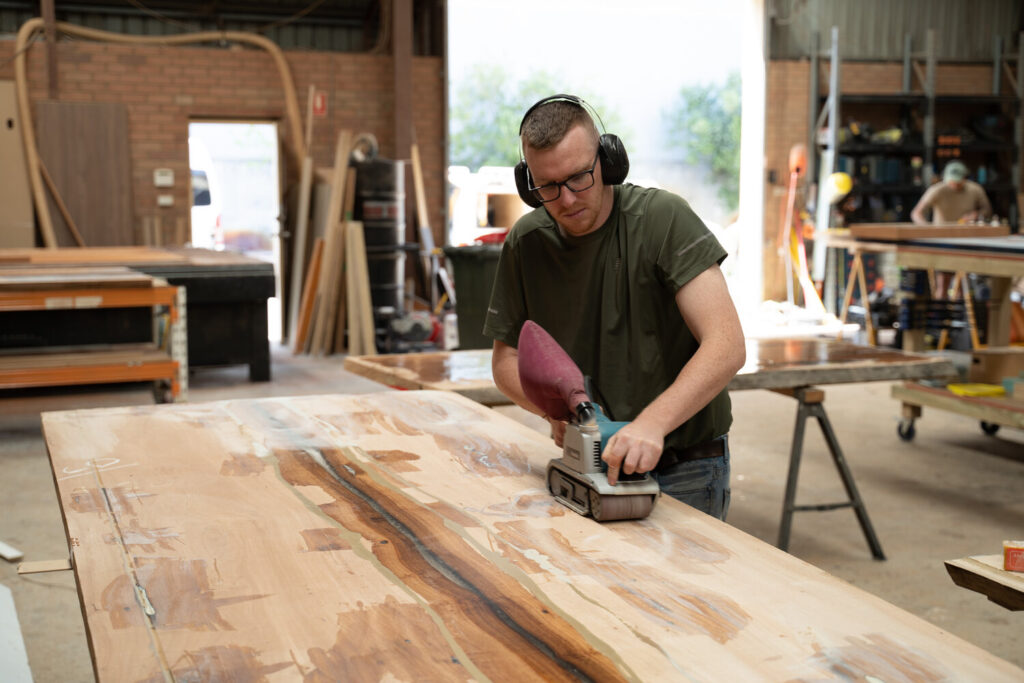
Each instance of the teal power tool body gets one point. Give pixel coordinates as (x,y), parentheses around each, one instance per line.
(579,479)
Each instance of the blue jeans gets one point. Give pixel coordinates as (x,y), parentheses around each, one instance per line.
(702,484)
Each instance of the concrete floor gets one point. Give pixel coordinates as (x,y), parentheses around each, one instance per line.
(951,493)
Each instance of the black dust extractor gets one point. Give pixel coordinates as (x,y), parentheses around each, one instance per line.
(380,206)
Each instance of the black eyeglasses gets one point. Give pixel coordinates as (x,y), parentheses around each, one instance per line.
(584,180)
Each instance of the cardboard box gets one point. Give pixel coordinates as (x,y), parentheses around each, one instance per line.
(992,366)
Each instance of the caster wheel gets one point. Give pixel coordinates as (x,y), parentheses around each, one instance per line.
(989,428)
(906,430)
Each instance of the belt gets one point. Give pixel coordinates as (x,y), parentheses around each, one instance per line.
(711,449)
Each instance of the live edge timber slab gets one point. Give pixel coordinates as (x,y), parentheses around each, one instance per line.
(771,364)
(410,536)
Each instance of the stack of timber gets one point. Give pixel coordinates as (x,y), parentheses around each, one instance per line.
(334,306)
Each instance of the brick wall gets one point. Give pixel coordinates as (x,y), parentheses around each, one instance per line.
(164,88)
(786,124)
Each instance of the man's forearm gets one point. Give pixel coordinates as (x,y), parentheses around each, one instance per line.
(505,369)
(700,380)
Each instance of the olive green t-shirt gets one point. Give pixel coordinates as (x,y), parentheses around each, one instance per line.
(608,298)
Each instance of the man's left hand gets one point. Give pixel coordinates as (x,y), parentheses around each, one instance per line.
(634,448)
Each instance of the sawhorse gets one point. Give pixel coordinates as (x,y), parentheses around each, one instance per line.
(810,402)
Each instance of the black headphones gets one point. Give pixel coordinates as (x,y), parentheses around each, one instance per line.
(610,150)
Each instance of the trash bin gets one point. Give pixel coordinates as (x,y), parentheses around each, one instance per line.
(473,269)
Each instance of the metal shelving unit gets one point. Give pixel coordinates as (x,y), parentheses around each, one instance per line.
(918,92)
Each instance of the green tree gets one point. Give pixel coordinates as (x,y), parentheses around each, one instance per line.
(487,108)
(705,126)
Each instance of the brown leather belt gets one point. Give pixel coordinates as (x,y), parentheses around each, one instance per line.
(711,449)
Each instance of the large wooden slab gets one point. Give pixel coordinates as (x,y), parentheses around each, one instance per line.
(771,364)
(912,231)
(409,536)
(787,363)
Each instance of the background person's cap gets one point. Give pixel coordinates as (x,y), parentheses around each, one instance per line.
(955,171)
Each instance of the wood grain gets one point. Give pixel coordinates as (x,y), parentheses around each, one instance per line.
(409,536)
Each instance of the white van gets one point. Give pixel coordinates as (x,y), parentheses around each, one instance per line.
(207,231)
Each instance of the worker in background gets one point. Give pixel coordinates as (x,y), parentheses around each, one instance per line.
(627,280)
(954,200)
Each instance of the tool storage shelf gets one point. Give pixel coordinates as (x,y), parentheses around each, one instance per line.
(48,290)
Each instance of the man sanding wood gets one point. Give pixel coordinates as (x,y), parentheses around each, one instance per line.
(627,280)
(954,200)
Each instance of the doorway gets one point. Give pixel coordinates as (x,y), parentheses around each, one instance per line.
(236,193)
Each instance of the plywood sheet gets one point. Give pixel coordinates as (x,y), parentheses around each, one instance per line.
(86,149)
(17,220)
(409,536)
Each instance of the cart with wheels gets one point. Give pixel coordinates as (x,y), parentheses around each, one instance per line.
(991,412)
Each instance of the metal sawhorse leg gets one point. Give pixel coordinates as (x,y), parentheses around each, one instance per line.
(810,404)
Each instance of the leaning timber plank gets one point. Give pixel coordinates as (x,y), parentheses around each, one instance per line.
(985,574)
(330,272)
(360,309)
(410,536)
(306,311)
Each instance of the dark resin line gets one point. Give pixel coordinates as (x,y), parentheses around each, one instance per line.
(438,563)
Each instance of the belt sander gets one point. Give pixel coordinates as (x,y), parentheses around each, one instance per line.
(579,480)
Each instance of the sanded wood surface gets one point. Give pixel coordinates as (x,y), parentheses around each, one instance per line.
(771,364)
(985,574)
(912,231)
(467,373)
(410,536)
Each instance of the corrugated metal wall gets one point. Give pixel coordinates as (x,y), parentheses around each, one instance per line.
(873,30)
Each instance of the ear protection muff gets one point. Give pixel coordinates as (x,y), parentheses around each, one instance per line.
(611,153)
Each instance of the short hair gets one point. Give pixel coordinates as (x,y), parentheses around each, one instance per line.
(545,126)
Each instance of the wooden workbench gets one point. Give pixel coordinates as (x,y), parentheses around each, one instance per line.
(985,574)
(226,299)
(409,536)
(47,291)
(771,364)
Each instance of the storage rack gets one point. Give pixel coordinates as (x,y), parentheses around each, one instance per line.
(164,362)
(932,108)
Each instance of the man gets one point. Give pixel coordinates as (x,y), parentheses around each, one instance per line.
(954,200)
(627,280)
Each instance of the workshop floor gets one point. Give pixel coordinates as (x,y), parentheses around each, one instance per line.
(951,493)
